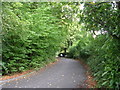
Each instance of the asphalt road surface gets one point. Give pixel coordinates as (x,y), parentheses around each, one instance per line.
(66,73)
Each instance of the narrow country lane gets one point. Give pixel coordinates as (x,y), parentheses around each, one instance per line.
(66,73)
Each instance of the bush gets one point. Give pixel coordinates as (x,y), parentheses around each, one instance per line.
(32,39)
(102,55)
(81,49)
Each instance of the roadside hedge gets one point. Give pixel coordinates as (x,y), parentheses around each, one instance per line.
(32,34)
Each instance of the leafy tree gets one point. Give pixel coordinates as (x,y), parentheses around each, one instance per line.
(32,34)
(102,21)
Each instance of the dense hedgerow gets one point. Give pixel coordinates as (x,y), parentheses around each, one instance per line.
(32,34)
(102,55)
(103,52)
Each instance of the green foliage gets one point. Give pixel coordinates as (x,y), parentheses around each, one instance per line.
(106,58)
(32,34)
(103,56)
(81,49)
(103,52)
